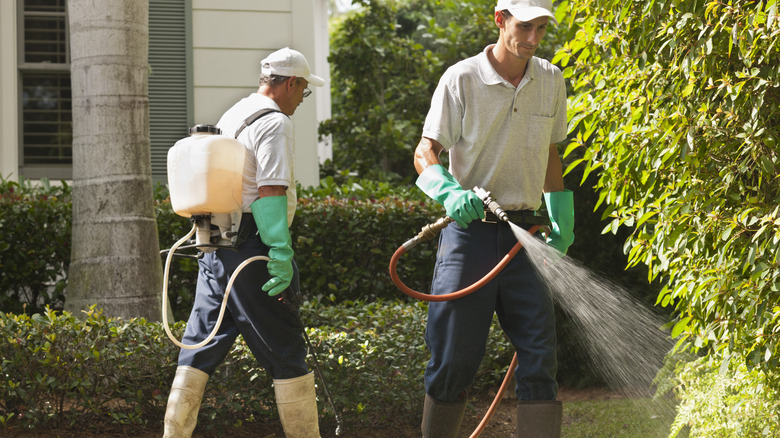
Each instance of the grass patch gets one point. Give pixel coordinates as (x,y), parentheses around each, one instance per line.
(616,418)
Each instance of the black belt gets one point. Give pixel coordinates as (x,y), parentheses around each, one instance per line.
(518,217)
(246,229)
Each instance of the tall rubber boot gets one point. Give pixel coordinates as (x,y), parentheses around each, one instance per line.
(441,419)
(296,400)
(539,419)
(181,414)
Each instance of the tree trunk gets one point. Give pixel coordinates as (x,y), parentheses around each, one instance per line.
(115,261)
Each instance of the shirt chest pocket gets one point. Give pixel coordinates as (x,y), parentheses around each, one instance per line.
(538,132)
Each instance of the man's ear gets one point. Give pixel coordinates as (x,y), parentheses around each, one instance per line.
(498,18)
(291,82)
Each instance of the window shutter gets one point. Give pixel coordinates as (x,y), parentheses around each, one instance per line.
(169,80)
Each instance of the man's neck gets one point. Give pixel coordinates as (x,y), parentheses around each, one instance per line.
(507,65)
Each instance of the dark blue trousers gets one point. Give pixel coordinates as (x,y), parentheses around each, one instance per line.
(457,330)
(270,328)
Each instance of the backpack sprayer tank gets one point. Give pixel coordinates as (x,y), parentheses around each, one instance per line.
(205,180)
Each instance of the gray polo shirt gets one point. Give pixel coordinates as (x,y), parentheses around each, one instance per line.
(498,135)
(270,157)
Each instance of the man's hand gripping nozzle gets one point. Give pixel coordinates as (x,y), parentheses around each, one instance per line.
(430,231)
(491,204)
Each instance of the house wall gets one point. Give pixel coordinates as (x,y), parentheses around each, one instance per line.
(9,101)
(229,38)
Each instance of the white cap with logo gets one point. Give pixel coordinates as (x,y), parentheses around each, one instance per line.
(289,62)
(527,10)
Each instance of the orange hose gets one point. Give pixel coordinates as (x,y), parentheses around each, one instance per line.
(457,294)
(460,294)
(493,406)
(454,295)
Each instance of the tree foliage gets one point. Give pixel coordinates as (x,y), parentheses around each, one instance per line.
(677,110)
(386,59)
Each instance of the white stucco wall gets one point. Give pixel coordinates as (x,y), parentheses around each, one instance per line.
(230,37)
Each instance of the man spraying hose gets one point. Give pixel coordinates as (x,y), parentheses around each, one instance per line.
(499,116)
(270,328)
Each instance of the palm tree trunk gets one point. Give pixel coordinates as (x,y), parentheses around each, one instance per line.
(115,262)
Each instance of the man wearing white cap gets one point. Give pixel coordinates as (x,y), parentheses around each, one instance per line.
(499,115)
(269,326)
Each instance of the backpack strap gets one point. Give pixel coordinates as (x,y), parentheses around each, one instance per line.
(253,118)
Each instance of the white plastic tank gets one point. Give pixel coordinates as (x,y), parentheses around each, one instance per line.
(205,172)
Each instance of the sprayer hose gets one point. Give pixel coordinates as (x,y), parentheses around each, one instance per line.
(224,300)
(460,294)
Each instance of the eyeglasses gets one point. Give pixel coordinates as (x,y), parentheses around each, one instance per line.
(306,92)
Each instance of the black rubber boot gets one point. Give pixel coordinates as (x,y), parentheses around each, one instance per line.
(539,419)
(440,419)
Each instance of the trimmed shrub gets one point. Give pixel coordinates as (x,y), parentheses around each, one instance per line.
(35,245)
(59,371)
(344,235)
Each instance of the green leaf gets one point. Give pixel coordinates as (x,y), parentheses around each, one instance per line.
(680,326)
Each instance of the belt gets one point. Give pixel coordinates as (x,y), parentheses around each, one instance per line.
(246,229)
(518,217)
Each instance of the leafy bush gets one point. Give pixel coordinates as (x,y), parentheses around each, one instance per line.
(35,245)
(677,110)
(724,399)
(344,237)
(343,246)
(58,370)
(102,373)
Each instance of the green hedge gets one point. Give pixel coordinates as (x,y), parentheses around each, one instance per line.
(35,245)
(59,371)
(344,236)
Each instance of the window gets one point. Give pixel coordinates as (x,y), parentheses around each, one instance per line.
(46,124)
(45,92)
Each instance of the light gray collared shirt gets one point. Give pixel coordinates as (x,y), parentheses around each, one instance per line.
(498,135)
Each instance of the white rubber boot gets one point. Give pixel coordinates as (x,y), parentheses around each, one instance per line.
(181,414)
(296,400)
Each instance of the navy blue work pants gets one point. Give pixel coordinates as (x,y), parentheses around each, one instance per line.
(457,330)
(270,328)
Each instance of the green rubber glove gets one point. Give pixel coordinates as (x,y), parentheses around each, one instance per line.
(560,208)
(461,205)
(270,214)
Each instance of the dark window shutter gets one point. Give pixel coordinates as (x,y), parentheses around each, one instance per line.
(169,80)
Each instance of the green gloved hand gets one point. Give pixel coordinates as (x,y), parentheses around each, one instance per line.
(560,208)
(461,205)
(270,214)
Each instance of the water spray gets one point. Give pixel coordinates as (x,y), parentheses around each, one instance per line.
(430,231)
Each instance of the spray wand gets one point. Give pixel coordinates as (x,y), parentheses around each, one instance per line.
(430,231)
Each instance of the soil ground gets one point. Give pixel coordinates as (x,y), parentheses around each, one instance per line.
(502,425)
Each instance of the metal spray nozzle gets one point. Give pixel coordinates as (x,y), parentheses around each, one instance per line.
(491,204)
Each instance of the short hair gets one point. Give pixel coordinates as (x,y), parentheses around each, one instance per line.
(274,80)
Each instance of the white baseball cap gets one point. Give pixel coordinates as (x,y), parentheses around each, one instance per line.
(527,10)
(289,62)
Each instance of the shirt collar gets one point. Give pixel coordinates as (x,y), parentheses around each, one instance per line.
(489,75)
